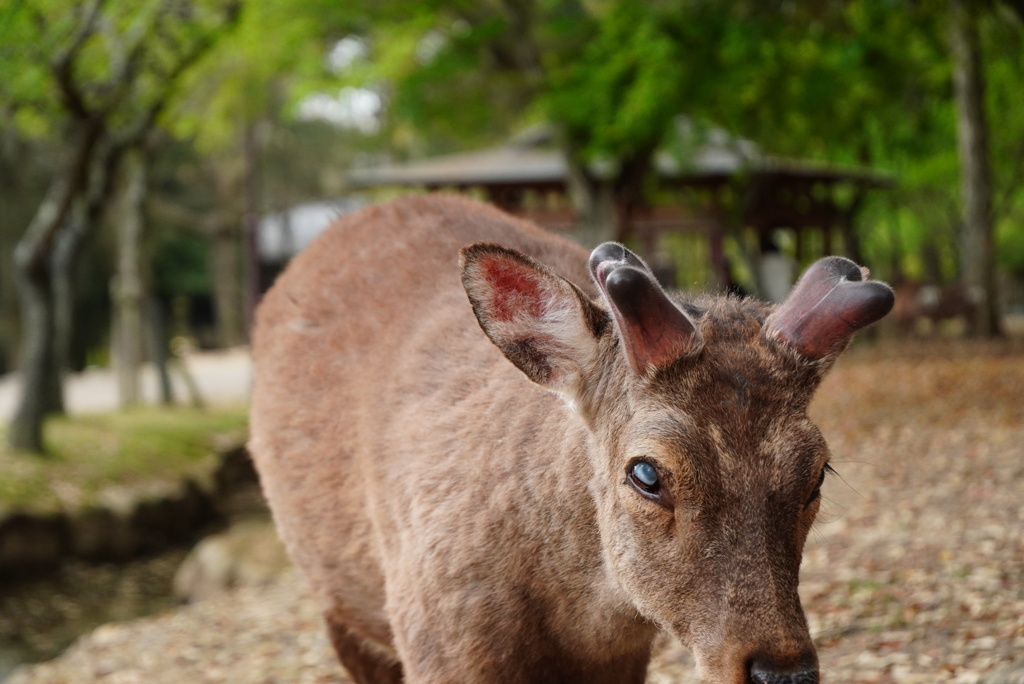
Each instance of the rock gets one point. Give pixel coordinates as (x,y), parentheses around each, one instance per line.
(98,533)
(28,542)
(247,554)
(126,522)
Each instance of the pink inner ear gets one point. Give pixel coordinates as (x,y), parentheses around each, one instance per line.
(514,290)
(829,303)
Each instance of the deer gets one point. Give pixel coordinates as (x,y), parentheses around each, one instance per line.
(497,458)
(918,300)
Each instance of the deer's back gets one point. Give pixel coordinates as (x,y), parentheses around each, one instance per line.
(377,393)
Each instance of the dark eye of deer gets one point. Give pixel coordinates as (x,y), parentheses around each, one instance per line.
(645,477)
(817,490)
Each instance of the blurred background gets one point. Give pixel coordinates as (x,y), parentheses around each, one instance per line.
(162,160)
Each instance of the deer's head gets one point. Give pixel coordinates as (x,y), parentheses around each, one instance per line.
(706,470)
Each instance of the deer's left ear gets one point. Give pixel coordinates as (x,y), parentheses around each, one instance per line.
(542,322)
(831,301)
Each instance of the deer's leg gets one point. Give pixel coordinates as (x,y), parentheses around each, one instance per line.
(364,660)
(504,641)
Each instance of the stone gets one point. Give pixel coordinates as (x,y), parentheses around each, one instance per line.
(247,554)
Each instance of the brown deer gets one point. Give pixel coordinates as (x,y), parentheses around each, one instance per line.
(644,462)
(917,300)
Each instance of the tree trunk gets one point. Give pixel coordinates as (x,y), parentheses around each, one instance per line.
(605,207)
(41,387)
(253,209)
(156,324)
(976,173)
(13,162)
(225,276)
(847,221)
(86,213)
(65,250)
(594,202)
(630,189)
(233,187)
(128,288)
(592,198)
(40,381)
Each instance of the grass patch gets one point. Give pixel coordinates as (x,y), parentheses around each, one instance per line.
(87,454)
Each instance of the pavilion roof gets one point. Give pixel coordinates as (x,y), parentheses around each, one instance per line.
(532,159)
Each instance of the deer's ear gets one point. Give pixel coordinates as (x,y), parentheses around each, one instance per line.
(830,302)
(653,330)
(542,322)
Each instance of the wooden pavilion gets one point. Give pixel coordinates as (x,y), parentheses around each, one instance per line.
(719,188)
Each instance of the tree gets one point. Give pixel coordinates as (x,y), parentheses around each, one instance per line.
(128,288)
(25,171)
(234,107)
(103,72)
(976,176)
(610,77)
(855,83)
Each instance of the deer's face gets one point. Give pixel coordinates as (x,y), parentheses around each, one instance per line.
(707,472)
(710,482)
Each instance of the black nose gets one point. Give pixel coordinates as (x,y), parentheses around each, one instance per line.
(800,670)
(759,675)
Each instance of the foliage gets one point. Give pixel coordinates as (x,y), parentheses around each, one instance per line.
(87,454)
(858,83)
(103,71)
(238,82)
(102,58)
(1005,45)
(180,266)
(853,83)
(629,80)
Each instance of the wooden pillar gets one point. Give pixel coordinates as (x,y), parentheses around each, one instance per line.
(720,276)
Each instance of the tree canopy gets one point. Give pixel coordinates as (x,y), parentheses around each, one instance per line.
(855,83)
(224,91)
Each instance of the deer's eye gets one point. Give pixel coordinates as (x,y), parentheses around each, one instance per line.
(817,489)
(645,474)
(644,477)
(651,482)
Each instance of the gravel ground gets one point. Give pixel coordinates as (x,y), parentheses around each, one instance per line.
(914,573)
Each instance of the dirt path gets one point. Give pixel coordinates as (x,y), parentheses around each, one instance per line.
(223,377)
(914,573)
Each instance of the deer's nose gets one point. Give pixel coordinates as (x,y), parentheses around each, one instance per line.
(762,672)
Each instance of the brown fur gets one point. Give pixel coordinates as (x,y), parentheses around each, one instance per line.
(464,524)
